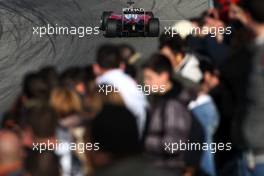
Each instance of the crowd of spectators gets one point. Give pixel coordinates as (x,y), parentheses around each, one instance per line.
(129,115)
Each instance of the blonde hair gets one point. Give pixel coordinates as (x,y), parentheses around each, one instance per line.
(96,100)
(65,101)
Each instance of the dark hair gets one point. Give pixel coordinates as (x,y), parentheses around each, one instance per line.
(255,8)
(122,48)
(108,56)
(72,76)
(42,164)
(207,66)
(175,43)
(115,128)
(130,67)
(89,73)
(42,119)
(34,87)
(50,76)
(159,63)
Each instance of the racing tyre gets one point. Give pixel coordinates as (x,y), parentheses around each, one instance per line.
(112,28)
(104,19)
(154,27)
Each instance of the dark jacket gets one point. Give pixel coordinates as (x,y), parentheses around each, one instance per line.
(253,126)
(171,122)
(245,107)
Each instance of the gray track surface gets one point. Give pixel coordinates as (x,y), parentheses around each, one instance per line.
(21,51)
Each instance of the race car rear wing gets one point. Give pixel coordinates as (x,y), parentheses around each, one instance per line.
(133,10)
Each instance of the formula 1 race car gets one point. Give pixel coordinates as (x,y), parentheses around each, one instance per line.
(132,22)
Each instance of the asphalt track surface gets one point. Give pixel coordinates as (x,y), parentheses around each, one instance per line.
(21,51)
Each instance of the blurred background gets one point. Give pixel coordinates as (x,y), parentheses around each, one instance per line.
(124,106)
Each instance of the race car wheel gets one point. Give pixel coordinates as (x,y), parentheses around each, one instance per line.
(150,14)
(154,27)
(112,28)
(104,19)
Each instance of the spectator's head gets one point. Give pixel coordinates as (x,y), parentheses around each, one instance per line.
(11,153)
(41,122)
(255,8)
(42,164)
(129,57)
(50,76)
(237,14)
(65,102)
(107,58)
(115,129)
(184,28)
(173,48)
(210,75)
(158,72)
(73,78)
(94,102)
(254,15)
(89,78)
(126,51)
(34,87)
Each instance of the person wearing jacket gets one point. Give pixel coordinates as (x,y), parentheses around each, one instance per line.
(205,110)
(170,121)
